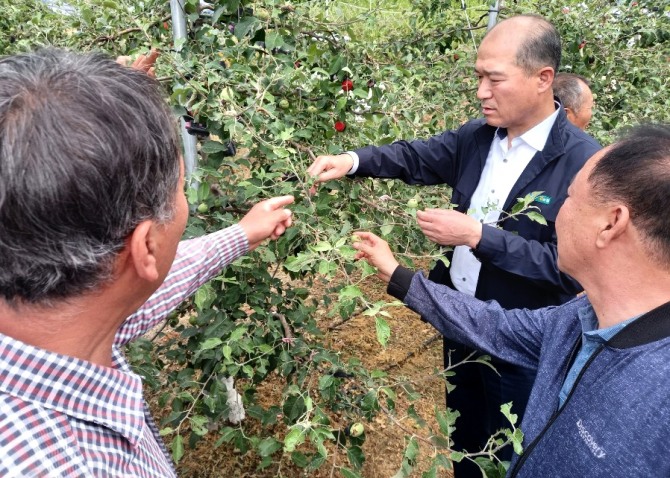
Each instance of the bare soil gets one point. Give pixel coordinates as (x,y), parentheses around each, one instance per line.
(385,439)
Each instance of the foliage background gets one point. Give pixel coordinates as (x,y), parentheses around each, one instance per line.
(268,76)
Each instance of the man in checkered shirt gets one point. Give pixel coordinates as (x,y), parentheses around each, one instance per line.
(92,209)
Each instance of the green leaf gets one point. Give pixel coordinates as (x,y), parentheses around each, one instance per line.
(347,473)
(210,147)
(537,217)
(457,456)
(321,247)
(273,40)
(245,26)
(356,456)
(517,440)
(199,424)
(294,407)
(210,343)
(350,292)
(237,334)
(386,229)
(506,410)
(177,448)
(294,438)
(383,331)
(268,446)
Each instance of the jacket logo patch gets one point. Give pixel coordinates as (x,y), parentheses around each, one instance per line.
(543,199)
(590,442)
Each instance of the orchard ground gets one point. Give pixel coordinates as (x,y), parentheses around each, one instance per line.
(385,441)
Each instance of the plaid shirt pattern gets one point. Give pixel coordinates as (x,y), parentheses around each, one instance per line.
(65,417)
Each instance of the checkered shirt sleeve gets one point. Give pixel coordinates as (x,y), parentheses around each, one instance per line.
(65,417)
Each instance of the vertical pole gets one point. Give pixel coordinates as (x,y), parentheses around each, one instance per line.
(494,8)
(189,141)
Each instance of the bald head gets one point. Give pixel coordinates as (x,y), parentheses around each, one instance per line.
(537,42)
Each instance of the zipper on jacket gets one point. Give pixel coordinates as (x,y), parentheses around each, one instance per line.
(557,413)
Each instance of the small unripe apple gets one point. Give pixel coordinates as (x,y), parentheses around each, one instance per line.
(312,109)
(356,429)
(203,208)
(283,104)
(413,203)
(173,318)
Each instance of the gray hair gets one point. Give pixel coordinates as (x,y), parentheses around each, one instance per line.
(88,150)
(568,87)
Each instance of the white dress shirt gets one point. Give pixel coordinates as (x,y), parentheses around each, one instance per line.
(504,165)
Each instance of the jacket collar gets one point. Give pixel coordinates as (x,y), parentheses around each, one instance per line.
(650,327)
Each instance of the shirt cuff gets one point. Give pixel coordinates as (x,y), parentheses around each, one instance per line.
(489,243)
(354,167)
(400,281)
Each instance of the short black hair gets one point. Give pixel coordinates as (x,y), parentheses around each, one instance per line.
(636,171)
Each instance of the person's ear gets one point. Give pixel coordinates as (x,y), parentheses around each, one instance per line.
(545,79)
(570,114)
(616,222)
(142,248)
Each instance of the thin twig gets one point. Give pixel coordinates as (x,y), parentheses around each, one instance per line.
(306,149)
(121,33)
(288,333)
(422,348)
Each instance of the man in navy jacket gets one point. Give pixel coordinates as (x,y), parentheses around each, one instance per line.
(601,403)
(523,144)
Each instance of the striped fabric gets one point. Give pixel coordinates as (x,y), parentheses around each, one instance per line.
(65,417)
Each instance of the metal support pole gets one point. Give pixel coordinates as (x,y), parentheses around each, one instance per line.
(189,141)
(493,14)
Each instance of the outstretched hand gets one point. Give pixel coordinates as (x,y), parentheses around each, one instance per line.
(325,168)
(143,63)
(376,252)
(447,227)
(267,219)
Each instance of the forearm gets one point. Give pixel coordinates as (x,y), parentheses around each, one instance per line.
(431,161)
(514,336)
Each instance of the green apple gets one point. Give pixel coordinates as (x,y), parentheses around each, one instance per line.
(356,429)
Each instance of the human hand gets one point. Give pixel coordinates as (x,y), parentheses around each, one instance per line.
(325,168)
(143,63)
(376,252)
(267,219)
(450,228)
